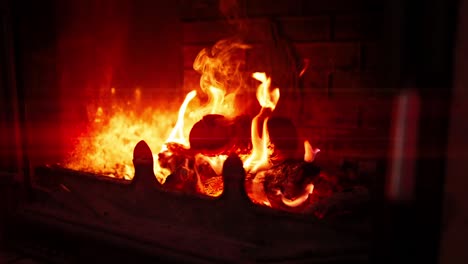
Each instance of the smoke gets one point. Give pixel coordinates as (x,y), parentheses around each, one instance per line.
(222,65)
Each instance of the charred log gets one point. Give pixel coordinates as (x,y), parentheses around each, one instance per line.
(284,136)
(183,179)
(289,180)
(211,134)
(290,177)
(300,187)
(216,134)
(242,135)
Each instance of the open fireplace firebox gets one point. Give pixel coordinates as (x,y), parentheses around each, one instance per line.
(226,130)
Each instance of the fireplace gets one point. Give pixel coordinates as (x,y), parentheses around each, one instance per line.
(218,131)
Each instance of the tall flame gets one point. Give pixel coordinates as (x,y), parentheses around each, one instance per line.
(177,134)
(266,98)
(259,158)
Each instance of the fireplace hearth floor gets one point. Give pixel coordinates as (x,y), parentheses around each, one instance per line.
(77,216)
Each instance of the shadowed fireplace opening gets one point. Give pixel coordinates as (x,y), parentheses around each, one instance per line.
(291,89)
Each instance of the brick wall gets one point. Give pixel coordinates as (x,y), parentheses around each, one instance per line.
(337,103)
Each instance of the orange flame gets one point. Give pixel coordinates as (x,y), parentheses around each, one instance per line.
(266,98)
(107,147)
(177,134)
(309,152)
(299,200)
(257,190)
(259,158)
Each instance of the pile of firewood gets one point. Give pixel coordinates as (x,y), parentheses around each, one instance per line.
(306,188)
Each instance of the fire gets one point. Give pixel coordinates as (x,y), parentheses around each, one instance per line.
(217,103)
(177,134)
(299,200)
(259,159)
(221,66)
(309,152)
(266,98)
(107,148)
(214,185)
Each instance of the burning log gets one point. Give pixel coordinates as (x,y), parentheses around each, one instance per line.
(209,179)
(291,177)
(283,135)
(180,161)
(242,134)
(216,134)
(211,134)
(290,184)
(175,156)
(301,187)
(288,181)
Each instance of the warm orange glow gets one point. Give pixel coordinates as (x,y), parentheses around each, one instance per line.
(212,186)
(99,115)
(299,200)
(266,98)
(259,158)
(138,95)
(257,190)
(221,66)
(216,99)
(107,147)
(220,72)
(215,162)
(261,151)
(177,134)
(309,152)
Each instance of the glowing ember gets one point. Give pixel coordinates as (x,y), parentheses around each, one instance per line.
(212,186)
(299,200)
